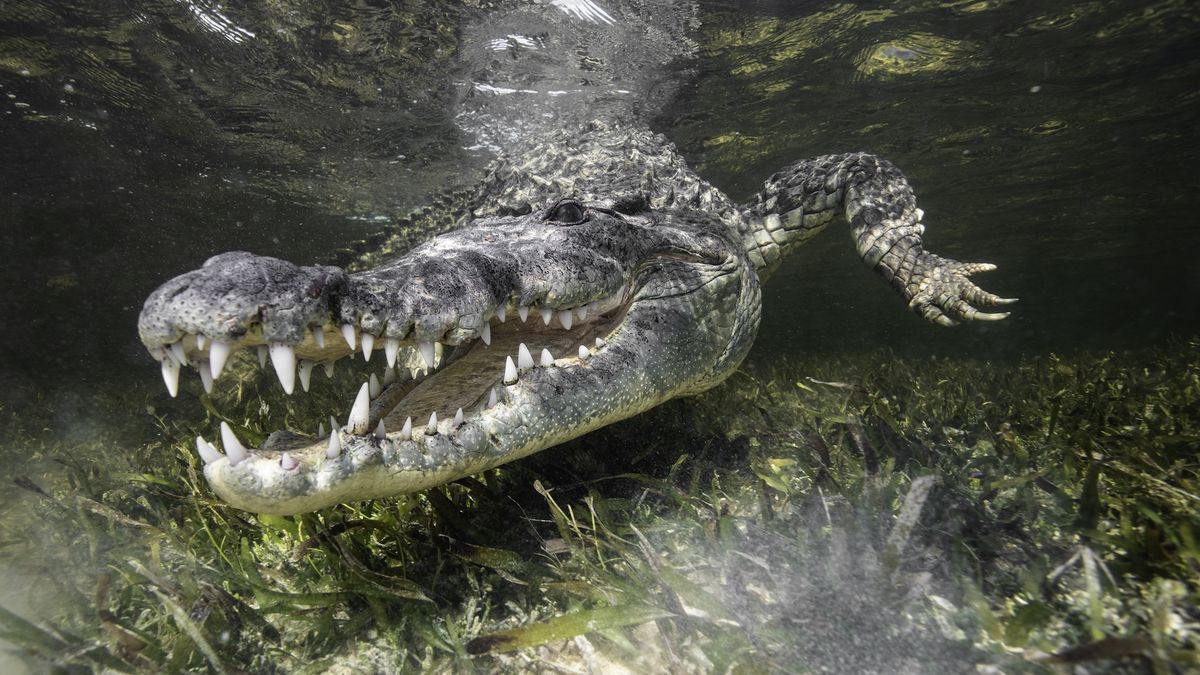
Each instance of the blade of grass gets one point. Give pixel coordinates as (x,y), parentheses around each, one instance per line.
(564,627)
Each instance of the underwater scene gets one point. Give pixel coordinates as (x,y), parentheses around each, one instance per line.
(695,337)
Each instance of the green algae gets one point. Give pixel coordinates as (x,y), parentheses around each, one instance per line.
(1012,514)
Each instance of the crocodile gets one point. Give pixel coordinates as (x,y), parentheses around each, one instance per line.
(590,276)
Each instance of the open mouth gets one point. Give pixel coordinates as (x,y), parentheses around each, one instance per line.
(412,411)
(483,345)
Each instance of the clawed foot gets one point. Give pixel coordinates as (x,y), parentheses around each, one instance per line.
(941,291)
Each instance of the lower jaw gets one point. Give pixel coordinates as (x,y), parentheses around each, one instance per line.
(371,466)
(371,482)
(411,456)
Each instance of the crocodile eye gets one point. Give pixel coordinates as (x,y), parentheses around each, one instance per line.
(567,212)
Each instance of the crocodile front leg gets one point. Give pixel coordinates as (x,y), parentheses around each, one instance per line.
(877,201)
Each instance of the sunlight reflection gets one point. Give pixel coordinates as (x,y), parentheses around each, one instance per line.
(586,10)
(217,22)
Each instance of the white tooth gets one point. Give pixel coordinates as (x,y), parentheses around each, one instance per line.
(380,431)
(492,399)
(333,423)
(510,371)
(306,368)
(458,419)
(348,333)
(920,215)
(600,343)
(360,413)
(335,445)
(179,354)
(523,312)
(201,341)
(212,449)
(547,359)
(582,311)
(218,352)
(427,352)
(566,317)
(287,462)
(234,450)
(207,452)
(368,345)
(262,356)
(583,352)
(328,366)
(389,377)
(500,314)
(205,378)
(170,371)
(547,314)
(373,387)
(320,429)
(319,338)
(431,427)
(283,357)
(406,430)
(524,358)
(485,334)
(390,349)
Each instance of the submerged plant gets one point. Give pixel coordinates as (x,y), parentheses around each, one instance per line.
(858,513)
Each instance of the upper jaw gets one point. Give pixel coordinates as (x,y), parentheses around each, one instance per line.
(235,293)
(448,291)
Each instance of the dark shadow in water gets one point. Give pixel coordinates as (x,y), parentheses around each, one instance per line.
(140,140)
(1053,139)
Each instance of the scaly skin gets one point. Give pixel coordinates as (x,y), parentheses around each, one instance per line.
(880,206)
(672,291)
(637,274)
(644,288)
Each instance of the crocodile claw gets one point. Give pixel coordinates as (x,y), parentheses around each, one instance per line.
(941,291)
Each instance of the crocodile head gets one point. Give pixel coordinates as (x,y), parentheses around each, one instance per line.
(500,339)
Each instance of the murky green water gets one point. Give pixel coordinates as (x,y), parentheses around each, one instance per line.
(1055,139)
(1049,138)
(141,140)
